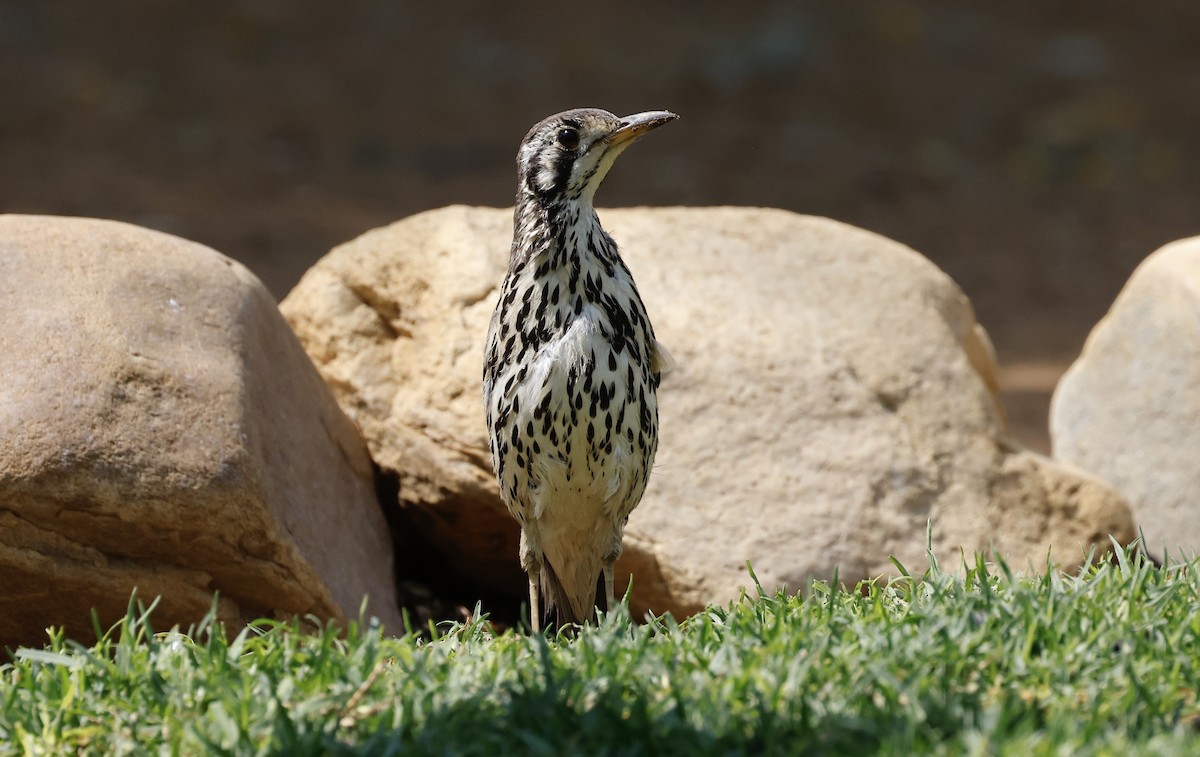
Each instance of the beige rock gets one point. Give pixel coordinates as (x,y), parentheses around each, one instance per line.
(1129,408)
(161,428)
(834,394)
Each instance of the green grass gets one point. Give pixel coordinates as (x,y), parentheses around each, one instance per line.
(984,662)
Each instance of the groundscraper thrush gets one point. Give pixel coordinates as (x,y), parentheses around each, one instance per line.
(571,367)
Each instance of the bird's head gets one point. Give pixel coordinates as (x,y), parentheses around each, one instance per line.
(566,156)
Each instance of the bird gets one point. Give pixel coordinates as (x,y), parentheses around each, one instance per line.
(571,367)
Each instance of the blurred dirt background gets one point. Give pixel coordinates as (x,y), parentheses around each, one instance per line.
(1036,152)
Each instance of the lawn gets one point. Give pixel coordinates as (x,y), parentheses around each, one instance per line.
(972,661)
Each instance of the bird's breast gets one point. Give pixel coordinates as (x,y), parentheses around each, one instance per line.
(583,414)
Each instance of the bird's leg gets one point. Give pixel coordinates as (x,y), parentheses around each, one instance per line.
(531,561)
(609,596)
(535,610)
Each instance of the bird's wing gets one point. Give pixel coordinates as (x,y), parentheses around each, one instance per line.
(661,362)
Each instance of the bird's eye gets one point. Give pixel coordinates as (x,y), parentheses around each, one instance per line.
(568,138)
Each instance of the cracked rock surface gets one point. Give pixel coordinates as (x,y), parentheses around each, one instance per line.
(833,396)
(161,429)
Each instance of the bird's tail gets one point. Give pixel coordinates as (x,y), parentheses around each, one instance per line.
(563,606)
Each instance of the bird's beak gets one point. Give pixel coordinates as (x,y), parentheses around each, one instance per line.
(633,127)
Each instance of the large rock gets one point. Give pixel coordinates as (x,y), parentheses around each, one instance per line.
(1129,408)
(834,394)
(161,428)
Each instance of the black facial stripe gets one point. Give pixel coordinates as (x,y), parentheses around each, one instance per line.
(563,162)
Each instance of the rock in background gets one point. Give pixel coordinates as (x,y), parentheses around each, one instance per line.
(834,394)
(1129,408)
(161,428)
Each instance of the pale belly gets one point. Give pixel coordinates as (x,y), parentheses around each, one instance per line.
(581,435)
